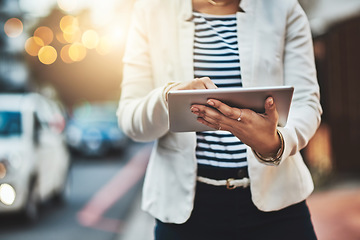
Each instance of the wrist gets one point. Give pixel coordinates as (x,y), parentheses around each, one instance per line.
(272,147)
(273,159)
(168,87)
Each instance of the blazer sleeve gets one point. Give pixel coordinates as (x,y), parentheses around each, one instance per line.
(142,112)
(300,72)
(276,187)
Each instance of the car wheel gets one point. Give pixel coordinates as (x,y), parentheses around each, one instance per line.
(59,197)
(31,210)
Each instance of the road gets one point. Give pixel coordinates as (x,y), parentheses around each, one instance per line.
(100,194)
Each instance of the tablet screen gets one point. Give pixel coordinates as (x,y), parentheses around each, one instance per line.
(181,119)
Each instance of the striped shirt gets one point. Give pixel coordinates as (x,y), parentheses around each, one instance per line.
(216,56)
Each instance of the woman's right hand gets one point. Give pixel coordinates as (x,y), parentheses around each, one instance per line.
(197,83)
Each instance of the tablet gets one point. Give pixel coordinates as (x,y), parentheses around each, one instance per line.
(181,119)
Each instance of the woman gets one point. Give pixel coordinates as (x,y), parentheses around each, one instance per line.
(190,180)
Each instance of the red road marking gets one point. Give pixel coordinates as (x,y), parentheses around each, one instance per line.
(91,215)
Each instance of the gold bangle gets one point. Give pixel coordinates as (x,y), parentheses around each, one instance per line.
(276,159)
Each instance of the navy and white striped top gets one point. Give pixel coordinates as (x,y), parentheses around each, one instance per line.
(216,56)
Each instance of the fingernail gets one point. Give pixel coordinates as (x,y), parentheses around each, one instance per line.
(271,101)
(194,109)
(210,102)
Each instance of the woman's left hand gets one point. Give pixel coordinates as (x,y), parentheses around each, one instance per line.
(257,130)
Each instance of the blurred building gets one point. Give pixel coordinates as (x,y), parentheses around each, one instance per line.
(13,70)
(336,31)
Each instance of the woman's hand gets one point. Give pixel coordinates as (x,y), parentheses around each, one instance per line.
(254,129)
(197,83)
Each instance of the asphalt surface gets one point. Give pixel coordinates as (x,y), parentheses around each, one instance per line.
(100,198)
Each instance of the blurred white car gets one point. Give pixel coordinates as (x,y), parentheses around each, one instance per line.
(34,159)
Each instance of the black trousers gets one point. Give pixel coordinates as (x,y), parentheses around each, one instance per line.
(222,214)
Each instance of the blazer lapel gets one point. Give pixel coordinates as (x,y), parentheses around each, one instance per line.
(246,40)
(186,41)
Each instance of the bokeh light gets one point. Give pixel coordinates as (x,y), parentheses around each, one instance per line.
(13,27)
(45,33)
(60,37)
(72,34)
(67,5)
(47,55)
(70,27)
(90,39)
(77,52)
(33,45)
(67,21)
(65,54)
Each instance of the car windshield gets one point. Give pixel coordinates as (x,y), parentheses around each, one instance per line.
(10,124)
(96,113)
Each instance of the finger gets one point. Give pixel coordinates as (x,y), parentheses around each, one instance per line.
(197,83)
(230,112)
(208,84)
(211,117)
(215,126)
(209,114)
(270,109)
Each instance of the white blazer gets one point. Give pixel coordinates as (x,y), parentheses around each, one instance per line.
(275,47)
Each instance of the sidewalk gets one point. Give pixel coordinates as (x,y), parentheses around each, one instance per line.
(336,211)
(140,225)
(335,214)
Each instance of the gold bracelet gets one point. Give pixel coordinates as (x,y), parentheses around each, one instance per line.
(276,159)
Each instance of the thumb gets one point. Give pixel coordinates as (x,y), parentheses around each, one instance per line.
(270,109)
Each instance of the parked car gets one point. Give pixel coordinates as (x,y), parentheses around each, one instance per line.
(34,158)
(92,130)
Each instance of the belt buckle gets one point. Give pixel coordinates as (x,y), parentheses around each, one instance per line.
(228,185)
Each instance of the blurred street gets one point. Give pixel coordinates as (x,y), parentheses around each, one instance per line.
(101,191)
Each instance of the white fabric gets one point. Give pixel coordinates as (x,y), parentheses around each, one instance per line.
(275,49)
